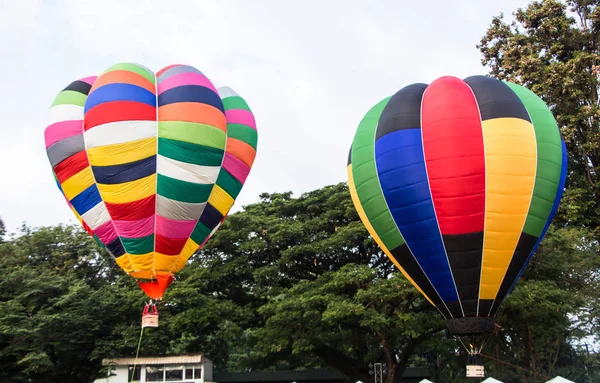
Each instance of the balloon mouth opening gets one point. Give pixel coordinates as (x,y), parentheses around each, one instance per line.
(155,288)
(471,325)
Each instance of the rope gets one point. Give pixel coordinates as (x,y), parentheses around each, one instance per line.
(137,353)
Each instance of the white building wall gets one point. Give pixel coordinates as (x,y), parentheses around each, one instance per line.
(207,371)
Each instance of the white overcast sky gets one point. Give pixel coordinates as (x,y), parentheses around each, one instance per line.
(309,69)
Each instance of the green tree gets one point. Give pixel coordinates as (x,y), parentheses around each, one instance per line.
(553,47)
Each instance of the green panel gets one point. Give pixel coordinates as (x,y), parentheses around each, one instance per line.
(366,180)
(549,159)
(190,153)
(183,191)
(200,233)
(138,246)
(243,133)
(235,102)
(229,183)
(193,133)
(133,68)
(70,97)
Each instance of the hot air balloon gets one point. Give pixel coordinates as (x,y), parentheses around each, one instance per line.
(457,182)
(150,163)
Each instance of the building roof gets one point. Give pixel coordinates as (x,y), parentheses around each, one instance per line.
(159,359)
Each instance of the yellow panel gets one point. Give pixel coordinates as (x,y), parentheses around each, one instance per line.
(123,153)
(128,191)
(510,161)
(78,183)
(220,200)
(365,220)
(141,262)
(124,263)
(143,274)
(174,263)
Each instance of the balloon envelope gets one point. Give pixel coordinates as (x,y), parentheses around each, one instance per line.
(457,181)
(150,163)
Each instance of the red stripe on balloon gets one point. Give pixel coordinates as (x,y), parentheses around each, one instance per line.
(132,211)
(71,166)
(114,111)
(454,155)
(169,246)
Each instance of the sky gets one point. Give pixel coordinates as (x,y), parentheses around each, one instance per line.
(309,70)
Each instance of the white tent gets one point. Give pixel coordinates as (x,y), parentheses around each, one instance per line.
(491,380)
(425,381)
(560,379)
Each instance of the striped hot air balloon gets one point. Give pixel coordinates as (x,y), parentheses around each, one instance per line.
(150,163)
(457,181)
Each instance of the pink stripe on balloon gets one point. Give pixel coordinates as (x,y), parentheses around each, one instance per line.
(240,116)
(236,167)
(187,78)
(106,232)
(135,229)
(90,79)
(174,229)
(61,130)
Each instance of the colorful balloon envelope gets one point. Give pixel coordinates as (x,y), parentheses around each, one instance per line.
(150,163)
(457,181)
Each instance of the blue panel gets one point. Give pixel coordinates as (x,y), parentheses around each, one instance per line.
(210,216)
(191,93)
(116,174)
(559,194)
(86,200)
(119,92)
(403,178)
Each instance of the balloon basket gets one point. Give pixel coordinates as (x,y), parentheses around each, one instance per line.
(150,316)
(475,371)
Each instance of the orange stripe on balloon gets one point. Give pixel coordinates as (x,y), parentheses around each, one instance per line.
(193,112)
(124,77)
(241,150)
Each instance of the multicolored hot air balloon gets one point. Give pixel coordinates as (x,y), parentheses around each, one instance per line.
(457,181)
(150,163)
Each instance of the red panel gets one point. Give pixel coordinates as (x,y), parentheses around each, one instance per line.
(132,211)
(169,246)
(71,166)
(157,287)
(454,155)
(118,111)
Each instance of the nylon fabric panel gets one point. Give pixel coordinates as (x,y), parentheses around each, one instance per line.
(403,177)
(122,153)
(188,176)
(193,133)
(455,162)
(510,164)
(371,198)
(558,197)
(128,191)
(366,179)
(369,227)
(127,77)
(549,163)
(549,160)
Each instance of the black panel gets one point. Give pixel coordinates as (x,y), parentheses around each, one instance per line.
(79,86)
(471,325)
(131,171)
(464,254)
(116,248)
(403,111)
(349,156)
(496,99)
(406,259)
(524,247)
(211,216)
(454,308)
(484,306)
